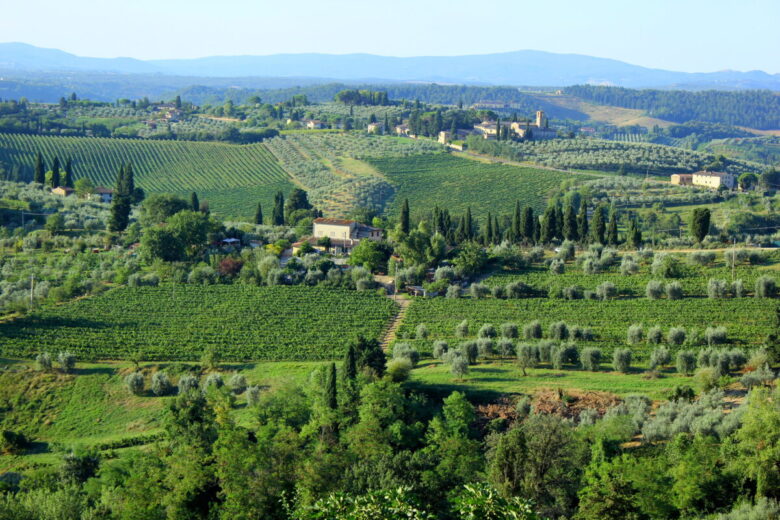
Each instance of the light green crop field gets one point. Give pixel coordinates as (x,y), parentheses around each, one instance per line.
(455,183)
(232,178)
(179,322)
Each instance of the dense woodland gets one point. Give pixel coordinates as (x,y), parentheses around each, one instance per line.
(752,108)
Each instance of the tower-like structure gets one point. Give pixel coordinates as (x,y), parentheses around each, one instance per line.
(541,121)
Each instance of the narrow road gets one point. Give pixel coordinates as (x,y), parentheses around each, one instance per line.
(392,328)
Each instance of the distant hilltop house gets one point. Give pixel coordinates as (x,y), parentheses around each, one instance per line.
(445,136)
(538,129)
(62,191)
(343,235)
(315,124)
(704,179)
(402,130)
(375,128)
(102,194)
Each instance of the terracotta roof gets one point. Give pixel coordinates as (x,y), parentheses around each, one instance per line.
(334,221)
(712,174)
(101,190)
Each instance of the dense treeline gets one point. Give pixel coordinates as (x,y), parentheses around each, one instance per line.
(362,97)
(752,108)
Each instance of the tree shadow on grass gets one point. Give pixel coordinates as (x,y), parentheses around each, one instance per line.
(438,391)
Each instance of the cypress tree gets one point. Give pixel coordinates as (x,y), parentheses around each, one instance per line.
(487,238)
(277,218)
(700,223)
(469,225)
(40,169)
(331,398)
(634,233)
(460,232)
(570,223)
(558,221)
(259,214)
(405,217)
(582,221)
(67,180)
(528,225)
(496,231)
(517,218)
(350,364)
(548,225)
(598,224)
(612,230)
(498,129)
(194,202)
(121,203)
(55,173)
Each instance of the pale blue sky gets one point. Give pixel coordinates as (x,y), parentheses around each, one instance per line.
(686,35)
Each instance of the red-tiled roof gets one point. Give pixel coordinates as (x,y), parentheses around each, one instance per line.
(334,221)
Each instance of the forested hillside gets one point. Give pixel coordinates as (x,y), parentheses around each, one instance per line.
(751,108)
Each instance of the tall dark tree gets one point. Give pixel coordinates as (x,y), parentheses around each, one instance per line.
(487,238)
(570,231)
(331,398)
(549,226)
(349,369)
(40,169)
(121,204)
(405,217)
(496,231)
(558,221)
(298,199)
(469,224)
(277,217)
(598,225)
(612,228)
(517,219)
(67,179)
(528,224)
(55,173)
(259,214)
(700,223)
(634,234)
(194,202)
(582,220)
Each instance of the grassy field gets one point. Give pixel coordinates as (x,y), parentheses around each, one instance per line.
(487,381)
(747,320)
(180,322)
(92,408)
(233,178)
(455,183)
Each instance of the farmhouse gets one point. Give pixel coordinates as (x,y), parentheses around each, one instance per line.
(342,234)
(375,128)
(102,194)
(538,129)
(402,129)
(62,191)
(714,180)
(682,179)
(315,124)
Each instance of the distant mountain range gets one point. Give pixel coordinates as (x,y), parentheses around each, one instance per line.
(527,68)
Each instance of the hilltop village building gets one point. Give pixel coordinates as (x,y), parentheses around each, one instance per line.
(712,180)
(538,129)
(343,235)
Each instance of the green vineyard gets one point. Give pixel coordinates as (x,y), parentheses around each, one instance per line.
(180,322)
(233,178)
(748,320)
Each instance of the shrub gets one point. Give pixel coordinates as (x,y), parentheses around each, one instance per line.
(135,383)
(758,358)
(498,292)
(606,290)
(43,360)
(399,368)
(527,357)
(444,273)
(485,347)
(67,361)
(655,335)
(557,267)
(161,385)
(564,353)
(213,381)
(459,367)
(717,288)
(13,443)
(715,335)
(676,336)
(701,257)
(506,347)
(557,357)
(421,332)
(546,349)
(737,358)
(509,330)
(766,287)
(761,377)
(707,378)
(628,266)
(518,290)
(405,350)
(734,257)
(659,357)
(252,395)
(453,291)
(572,292)
(462,329)
(591,359)
(635,334)
(654,290)
(738,289)
(237,383)
(666,266)
(621,360)
(559,330)
(439,349)
(532,330)
(567,250)
(674,291)
(686,362)
(470,351)
(478,290)
(187,383)
(487,331)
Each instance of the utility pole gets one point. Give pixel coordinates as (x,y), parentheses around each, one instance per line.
(32,288)
(733,257)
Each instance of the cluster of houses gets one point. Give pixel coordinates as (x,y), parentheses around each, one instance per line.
(714,180)
(164,113)
(537,129)
(99,194)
